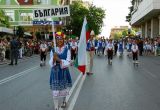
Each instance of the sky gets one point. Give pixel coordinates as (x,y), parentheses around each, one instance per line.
(116,12)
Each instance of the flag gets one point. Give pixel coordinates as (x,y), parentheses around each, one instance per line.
(81,59)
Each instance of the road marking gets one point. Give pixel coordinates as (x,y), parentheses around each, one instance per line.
(149,73)
(5,80)
(72,89)
(71,105)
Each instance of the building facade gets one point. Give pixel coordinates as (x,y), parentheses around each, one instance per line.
(117,29)
(21,13)
(146,16)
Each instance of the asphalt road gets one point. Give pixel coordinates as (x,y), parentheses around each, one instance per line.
(26,86)
(121,86)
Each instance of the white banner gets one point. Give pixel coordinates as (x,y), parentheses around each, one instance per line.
(57,11)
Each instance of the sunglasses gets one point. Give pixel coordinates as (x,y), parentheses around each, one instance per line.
(59,38)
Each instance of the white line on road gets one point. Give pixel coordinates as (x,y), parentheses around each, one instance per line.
(18,75)
(71,105)
(73,87)
(149,73)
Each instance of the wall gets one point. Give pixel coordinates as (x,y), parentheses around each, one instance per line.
(144,8)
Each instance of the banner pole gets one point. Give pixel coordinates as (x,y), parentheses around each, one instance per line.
(54,39)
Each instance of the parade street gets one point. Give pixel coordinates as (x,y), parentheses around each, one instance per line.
(119,86)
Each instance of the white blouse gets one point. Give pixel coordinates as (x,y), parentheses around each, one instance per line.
(65,63)
(134,48)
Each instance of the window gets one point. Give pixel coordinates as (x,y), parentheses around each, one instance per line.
(43,2)
(8,2)
(26,16)
(10,13)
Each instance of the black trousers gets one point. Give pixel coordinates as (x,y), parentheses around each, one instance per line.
(135,55)
(103,50)
(43,56)
(115,50)
(73,54)
(14,55)
(110,54)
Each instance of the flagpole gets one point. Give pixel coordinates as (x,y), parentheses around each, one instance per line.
(54,39)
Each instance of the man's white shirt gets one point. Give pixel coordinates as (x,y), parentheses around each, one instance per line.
(43,47)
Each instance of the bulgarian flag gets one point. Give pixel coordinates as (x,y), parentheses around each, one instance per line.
(81,59)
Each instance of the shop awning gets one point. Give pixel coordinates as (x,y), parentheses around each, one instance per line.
(6,30)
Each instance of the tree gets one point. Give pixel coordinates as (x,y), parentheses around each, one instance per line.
(4,19)
(78,11)
(94,18)
(125,33)
(131,8)
(117,35)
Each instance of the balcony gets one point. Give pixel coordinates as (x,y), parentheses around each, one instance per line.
(145,11)
(19,23)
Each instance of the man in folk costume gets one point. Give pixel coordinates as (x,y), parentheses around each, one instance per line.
(90,53)
(110,47)
(60,79)
(43,53)
(74,47)
(135,52)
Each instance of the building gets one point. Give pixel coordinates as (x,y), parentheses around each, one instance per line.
(146,16)
(21,14)
(117,29)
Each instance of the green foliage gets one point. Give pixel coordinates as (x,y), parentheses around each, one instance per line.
(133,32)
(117,35)
(125,33)
(95,19)
(94,16)
(128,17)
(4,19)
(78,11)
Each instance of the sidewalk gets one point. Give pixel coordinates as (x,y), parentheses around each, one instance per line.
(19,60)
(4,62)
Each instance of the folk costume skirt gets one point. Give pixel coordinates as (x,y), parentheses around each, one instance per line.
(60,81)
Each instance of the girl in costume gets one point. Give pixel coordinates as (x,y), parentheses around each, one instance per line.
(60,79)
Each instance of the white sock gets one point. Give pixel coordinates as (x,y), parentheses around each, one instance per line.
(55,103)
(64,99)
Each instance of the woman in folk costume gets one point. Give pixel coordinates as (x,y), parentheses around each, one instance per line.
(74,48)
(60,79)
